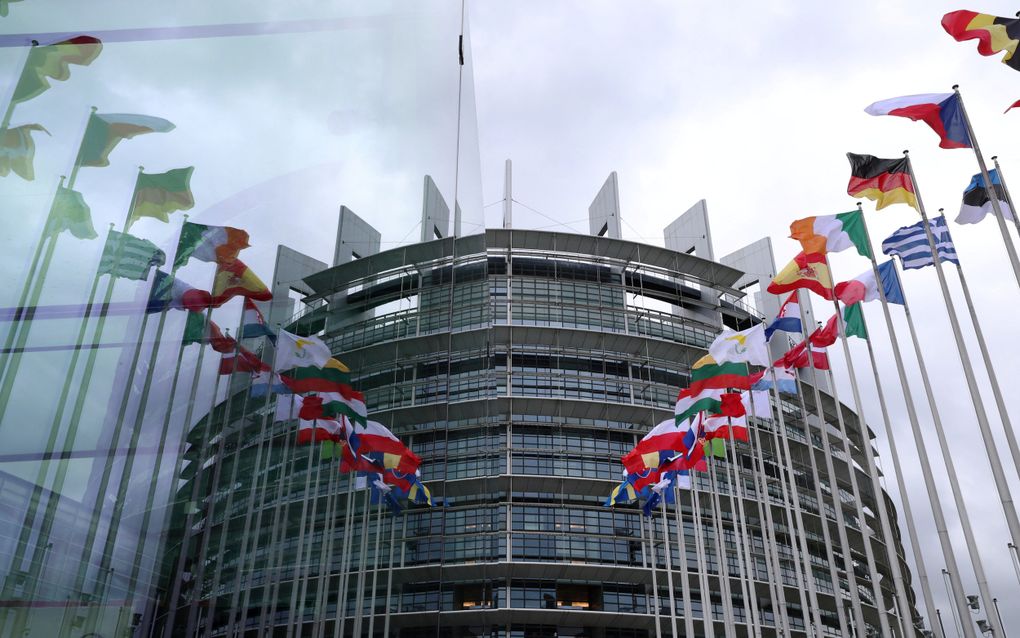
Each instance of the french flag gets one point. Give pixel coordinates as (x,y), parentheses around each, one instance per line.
(943,112)
(788,319)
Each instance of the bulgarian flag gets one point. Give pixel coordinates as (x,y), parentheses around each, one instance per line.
(832,233)
(333,377)
(213,244)
(706,374)
(236,279)
(17,150)
(51,62)
(106,130)
(158,195)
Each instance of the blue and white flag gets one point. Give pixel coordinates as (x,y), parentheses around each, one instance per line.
(976,203)
(910,243)
(788,319)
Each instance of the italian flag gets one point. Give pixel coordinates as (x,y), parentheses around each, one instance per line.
(214,244)
(832,233)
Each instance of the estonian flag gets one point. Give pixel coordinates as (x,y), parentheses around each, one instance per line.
(976,203)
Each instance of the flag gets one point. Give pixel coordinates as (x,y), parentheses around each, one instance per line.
(212,244)
(976,203)
(236,279)
(994,34)
(1012,106)
(419,494)
(832,233)
(668,436)
(105,131)
(129,257)
(756,404)
(941,111)
(241,360)
(689,403)
(199,329)
(911,244)
(159,194)
(375,437)
(51,62)
(706,374)
(725,427)
(17,150)
(805,271)
(622,494)
(169,291)
(293,351)
(825,336)
(885,181)
(786,379)
(70,212)
(864,287)
(266,381)
(743,346)
(797,357)
(319,431)
(332,377)
(853,318)
(330,405)
(253,324)
(788,318)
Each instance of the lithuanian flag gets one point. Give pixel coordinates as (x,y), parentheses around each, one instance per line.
(807,270)
(332,377)
(994,34)
(237,280)
(51,62)
(159,194)
(706,374)
(885,181)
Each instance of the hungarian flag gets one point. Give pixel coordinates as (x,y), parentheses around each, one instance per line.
(943,112)
(170,292)
(332,377)
(157,195)
(52,62)
(864,287)
(129,257)
(17,150)
(884,181)
(330,405)
(832,233)
(994,34)
(212,244)
(807,270)
(689,403)
(106,130)
(236,279)
(198,329)
(976,203)
(70,212)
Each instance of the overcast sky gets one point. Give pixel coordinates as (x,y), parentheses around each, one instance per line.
(752,106)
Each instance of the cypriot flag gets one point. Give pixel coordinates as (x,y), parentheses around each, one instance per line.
(293,351)
(744,346)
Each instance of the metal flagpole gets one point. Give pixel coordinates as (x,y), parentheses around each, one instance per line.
(296,618)
(991,450)
(736,498)
(1005,191)
(375,570)
(681,533)
(721,555)
(345,559)
(652,566)
(801,534)
(1006,240)
(777,584)
(389,574)
(359,599)
(948,553)
(9,109)
(326,547)
(699,544)
(669,563)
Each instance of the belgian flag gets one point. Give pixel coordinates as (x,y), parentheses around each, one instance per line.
(886,181)
(994,34)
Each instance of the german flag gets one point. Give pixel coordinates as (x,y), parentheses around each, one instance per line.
(994,34)
(886,181)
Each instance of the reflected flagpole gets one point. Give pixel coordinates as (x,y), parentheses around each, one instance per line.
(1006,240)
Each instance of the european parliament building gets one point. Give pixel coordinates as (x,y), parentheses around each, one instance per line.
(521,365)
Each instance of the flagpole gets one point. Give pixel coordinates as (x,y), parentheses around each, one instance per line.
(681,532)
(359,600)
(990,190)
(652,567)
(328,532)
(375,570)
(798,515)
(948,553)
(1005,190)
(837,503)
(699,544)
(991,450)
(669,564)
(747,586)
(720,554)
(389,573)
(308,495)
(9,110)
(345,559)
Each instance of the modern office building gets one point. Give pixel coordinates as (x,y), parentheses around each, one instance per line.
(520,365)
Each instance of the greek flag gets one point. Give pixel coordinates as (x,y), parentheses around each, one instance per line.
(911,244)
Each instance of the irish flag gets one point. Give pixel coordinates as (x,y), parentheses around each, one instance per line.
(832,233)
(213,244)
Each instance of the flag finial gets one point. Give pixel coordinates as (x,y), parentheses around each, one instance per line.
(956,87)
(995,158)
(906,151)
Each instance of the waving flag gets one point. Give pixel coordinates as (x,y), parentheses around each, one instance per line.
(51,62)
(832,233)
(70,212)
(169,291)
(17,150)
(198,329)
(911,244)
(994,34)
(253,324)
(941,111)
(853,319)
(212,244)
(788,318)
(106,130)
(977,204)
(797,357)
(159,194)
(669,437)
(786,379)
(805,271)
(129,257)
(864,287)
(744,346)
(294,351)
(706,374)
(885,181)
(235,279)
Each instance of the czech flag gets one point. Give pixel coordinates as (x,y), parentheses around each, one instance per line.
(943,112)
